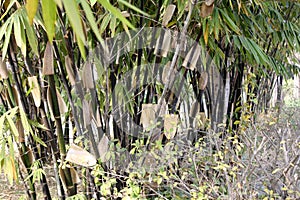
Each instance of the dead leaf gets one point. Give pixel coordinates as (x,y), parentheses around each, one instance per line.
(3,70)
(103,147)
(87,76)
(166,72)
(203,80)
(61,103)
(209,2)
(70,72)
(164,48)
(48,67)
(206,9)
(79,156)
(168,14)
(192,57)
(74,175)
(170,125)
(148,115)
(86,113)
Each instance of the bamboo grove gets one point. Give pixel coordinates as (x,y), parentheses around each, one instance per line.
(58,99)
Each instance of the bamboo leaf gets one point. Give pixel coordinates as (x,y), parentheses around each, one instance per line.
(49,17)
(229,22)
(72,11)
(12,126)
(81,48)
(48,68)
(125,3)
(24,121)
(91,19)
(30,33)
(93,2)
(2,118)
(59,3)
(104,23)
(19,35)
(38,140)
(6,41)
(8,8)
(3,28)
(31,7)
(115,12)
(36,93)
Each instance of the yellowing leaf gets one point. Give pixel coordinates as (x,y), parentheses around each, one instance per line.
(31,7)
(49,17)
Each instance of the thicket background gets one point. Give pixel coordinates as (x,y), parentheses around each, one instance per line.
(238,138)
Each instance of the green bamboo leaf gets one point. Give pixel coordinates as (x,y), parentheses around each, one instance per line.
(4,28)
(2,118)
(104,23)
(81,48)
(262,55)
(30,33)
(24,121)
(8,8)
(113,25)
(31,7)
(19,35)
(49,17)
(93,2)
(6,41)
(91,19)
(115,12)
(72,11)
(125,3)
(12,125)
(38,140)
(229,22)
